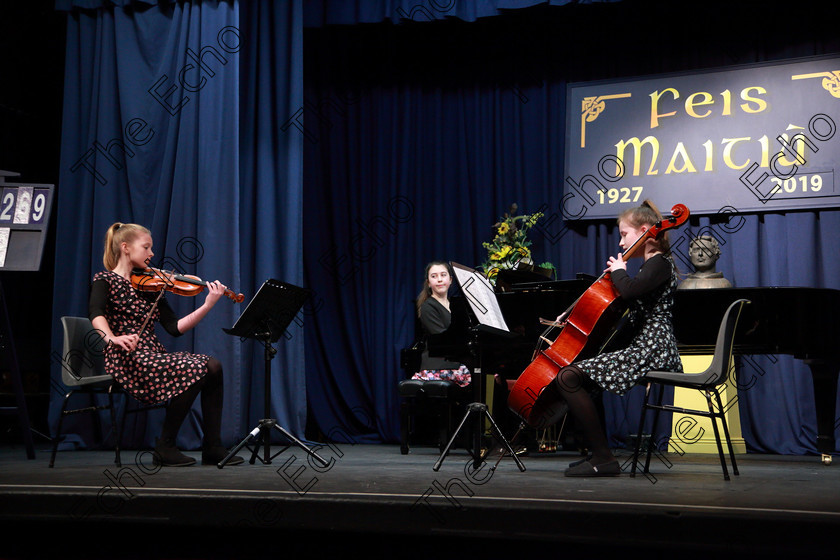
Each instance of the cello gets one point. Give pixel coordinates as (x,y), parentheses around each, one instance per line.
(585,328)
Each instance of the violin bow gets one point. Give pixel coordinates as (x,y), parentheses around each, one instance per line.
(154,306)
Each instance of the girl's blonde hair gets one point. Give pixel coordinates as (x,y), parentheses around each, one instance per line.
(646,214)
(116,235)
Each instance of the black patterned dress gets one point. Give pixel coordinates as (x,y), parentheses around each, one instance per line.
(149,373)
(654,347)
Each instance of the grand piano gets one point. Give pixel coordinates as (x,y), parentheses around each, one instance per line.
(802,322)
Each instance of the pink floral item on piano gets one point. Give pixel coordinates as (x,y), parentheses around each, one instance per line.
(460,376)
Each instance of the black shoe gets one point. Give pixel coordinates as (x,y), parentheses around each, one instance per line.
(215,454)
(167,455)
(580,461)
(588,469)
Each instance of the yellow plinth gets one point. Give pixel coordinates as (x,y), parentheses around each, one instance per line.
(489,395)
(694,434)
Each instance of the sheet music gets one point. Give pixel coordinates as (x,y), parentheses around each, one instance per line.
(24,205)
(481,296)
(4,245)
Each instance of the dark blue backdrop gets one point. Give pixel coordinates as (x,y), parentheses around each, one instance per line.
(177,105)
(418,137)
(344,157)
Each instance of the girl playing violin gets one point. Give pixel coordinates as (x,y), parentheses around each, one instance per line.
(650,295)
(138,360)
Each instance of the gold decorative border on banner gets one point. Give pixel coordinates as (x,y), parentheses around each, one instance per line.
(591,107)
(830,83)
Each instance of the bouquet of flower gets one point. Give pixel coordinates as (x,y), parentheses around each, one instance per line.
(510,248)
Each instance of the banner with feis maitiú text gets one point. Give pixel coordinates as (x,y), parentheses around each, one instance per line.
(758,138)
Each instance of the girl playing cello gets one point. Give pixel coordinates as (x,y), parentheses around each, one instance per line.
(650,296)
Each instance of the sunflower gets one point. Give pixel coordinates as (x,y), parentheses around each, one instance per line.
(510,247)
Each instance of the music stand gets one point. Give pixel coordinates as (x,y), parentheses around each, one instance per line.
(484,305)
(265,319)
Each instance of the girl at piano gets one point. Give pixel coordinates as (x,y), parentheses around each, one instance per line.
(435,316)
(650,295)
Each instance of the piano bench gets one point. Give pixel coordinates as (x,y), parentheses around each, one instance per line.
(411,387)
(434,396)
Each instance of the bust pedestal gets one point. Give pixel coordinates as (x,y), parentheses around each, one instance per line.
(700,281)
(694,434)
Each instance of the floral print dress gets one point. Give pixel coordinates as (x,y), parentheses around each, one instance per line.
(149,373)
(654,347)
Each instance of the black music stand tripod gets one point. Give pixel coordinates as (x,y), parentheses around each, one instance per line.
(482,299)
(481,412)
(265,319)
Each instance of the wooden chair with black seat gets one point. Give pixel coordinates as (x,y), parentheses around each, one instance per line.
(83,371)
(706,382)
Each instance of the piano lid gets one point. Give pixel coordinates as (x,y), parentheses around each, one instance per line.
(526,283)
(800,321)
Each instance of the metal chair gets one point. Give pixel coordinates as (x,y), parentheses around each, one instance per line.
(707,382)
(83,371)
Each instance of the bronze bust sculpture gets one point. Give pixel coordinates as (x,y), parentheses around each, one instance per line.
(704,252)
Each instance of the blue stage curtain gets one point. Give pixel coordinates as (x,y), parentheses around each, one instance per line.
(415,139)
(69,5)
(402,169)
(397,177)
(271,216)
(148,138)
(418,137)
(344,12)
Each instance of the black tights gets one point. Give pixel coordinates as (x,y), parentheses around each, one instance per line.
(571,382)
(211,387)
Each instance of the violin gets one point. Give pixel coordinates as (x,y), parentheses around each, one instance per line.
(155,280)
(586,327)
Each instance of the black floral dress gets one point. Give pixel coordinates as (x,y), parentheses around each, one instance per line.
(149,373)
(654,347)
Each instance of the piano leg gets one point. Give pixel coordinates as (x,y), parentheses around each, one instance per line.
(825,376)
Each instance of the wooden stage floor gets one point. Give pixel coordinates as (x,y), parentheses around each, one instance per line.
(374,501)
